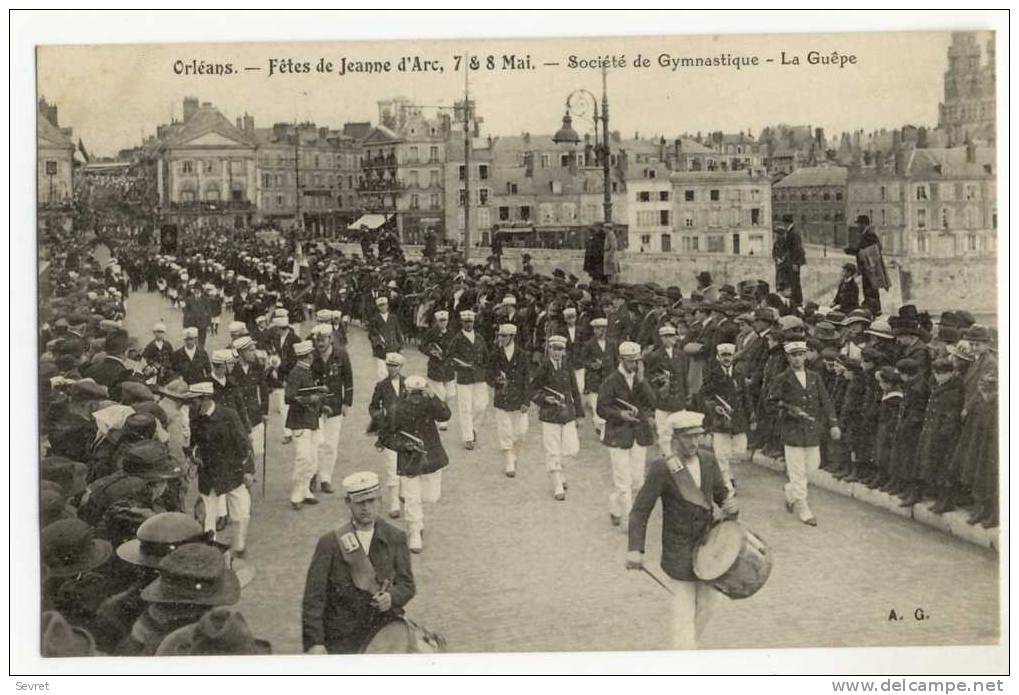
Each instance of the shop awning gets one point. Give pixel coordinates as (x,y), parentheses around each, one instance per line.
(370,221)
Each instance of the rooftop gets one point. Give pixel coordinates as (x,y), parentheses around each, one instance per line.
(814,176)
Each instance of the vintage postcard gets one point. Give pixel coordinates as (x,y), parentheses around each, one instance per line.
(663,342)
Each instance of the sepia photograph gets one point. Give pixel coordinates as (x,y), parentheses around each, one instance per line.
(505,345)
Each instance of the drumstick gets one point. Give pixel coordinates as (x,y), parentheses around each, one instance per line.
(655,577)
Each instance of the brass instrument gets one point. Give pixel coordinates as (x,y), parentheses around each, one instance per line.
(797,412)
(723,408)
(560,398)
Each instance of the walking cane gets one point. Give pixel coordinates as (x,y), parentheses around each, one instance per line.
(265,445)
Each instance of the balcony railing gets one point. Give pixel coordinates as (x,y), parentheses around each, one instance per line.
(212,205)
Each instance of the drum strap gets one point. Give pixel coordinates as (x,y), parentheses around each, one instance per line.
(685,483)
(362,573)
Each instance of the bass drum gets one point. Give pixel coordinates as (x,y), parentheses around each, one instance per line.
(733,559)
(403,636)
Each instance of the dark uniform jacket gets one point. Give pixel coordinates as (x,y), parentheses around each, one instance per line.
(509,378)
(812,400)
(620,433)
(384,398)
(300,416)
(225,448)
(598,362)
(733,390)
(439,368)
(564,382)
(337,614)
(418,419)
(685,517)
(255,389)
(283,347)
(385,334)
(335,374)
(192,370)
(158,356)
(474,354)
(673,396)
(230,394)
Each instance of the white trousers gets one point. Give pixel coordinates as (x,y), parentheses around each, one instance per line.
(392,480)
(592,405)
(238,504)
(444,391)
(278,403)
(728,449)
(664,431)
(798,461)
(692,605)
(257,439)
(512,426)
(627,477)
(420,488)
(471,401)
(559,441)
(579,374)
(328,444)
(305,464)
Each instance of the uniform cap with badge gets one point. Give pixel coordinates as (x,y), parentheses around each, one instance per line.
(686,422)
(394,359)
(360,486)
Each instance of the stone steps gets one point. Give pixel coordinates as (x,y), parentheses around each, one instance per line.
(953,523)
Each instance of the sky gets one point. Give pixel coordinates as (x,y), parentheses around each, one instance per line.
(114,95)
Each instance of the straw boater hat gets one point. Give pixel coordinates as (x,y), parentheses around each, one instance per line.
(361,486)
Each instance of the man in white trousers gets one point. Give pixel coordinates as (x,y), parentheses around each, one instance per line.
(554,389)
(441,376)
(469,357)
(508,374)
(331,369)
(387,392)
(303,421)
(689,484)
(599,358)
(627,404)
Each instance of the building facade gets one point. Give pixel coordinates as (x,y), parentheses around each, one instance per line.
(816,199)
(968,109)
(55,163)
(649,208)
(206,171)
(721,212)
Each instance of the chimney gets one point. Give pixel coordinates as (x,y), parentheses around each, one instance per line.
(971,152)
(896,139)
(879,162)
(900,162)
(323,133)
(190,108)
(249,124)
(239,124)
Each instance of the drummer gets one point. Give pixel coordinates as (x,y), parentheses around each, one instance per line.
(687,482)
(360,575)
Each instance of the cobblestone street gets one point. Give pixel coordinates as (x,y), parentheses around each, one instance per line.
(507,568)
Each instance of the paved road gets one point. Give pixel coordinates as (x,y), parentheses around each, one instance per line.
(507,568)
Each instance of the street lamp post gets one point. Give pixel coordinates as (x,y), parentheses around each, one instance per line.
(568,135)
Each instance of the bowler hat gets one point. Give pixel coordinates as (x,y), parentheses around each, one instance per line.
(220,632)
(69,547)
(158,536)
(132,392)
(195,573)
(825,331)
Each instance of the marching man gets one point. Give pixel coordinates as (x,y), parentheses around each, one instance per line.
(554,389)
(804,409)
(469,356)
(667,368)
(331,369)
(598,357)
(410,431)
(508,375)
(441,377)
(384,333)
(387,392)
(687,482)
(626,403)
(727,402)
(304,399)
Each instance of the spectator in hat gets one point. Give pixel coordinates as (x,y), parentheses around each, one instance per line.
(221,631)
(847,296)
(871,283)
(193,579)
(469,358)
(509,377)
(976,455)
(61,639)
(360,575)
(939,436)
(906,470)
(850,387)
(111,371)
(984,362)
(227,467)
(190,361)
(804,412)
(889,381)
(554,389)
